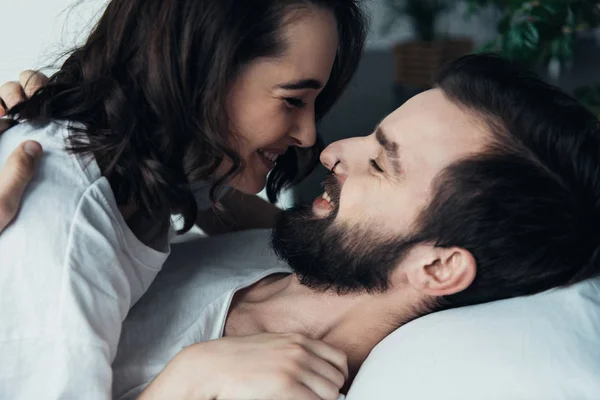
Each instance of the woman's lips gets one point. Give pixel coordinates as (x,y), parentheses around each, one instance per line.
(269,156)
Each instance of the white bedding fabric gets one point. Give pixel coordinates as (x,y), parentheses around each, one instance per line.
(542,347)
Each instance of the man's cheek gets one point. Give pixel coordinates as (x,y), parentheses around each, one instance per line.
(352,200)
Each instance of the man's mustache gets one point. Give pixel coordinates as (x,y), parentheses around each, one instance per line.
(333,187)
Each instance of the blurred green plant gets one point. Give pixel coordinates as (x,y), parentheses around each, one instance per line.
(534,32)
(423,15)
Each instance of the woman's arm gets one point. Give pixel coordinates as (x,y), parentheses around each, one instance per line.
(242,212)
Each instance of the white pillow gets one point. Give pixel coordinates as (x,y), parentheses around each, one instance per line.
(545,347)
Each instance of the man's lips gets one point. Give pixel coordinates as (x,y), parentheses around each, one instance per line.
(321,207)
(324,202)
(332,189)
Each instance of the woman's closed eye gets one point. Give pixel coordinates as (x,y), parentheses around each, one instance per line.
(294,102)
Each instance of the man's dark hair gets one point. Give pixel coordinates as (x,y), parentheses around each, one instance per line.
(149,89)
(527,208)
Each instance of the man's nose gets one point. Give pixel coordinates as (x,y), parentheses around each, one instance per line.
(332,159)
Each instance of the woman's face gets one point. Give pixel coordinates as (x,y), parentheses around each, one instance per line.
(271,105)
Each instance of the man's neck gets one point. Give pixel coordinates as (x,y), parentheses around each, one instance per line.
(351,323)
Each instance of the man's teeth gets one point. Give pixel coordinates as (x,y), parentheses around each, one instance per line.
(268,155)
(326,197)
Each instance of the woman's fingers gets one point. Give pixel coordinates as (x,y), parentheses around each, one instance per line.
(14,177)
(31,81)
(328,353)
(327,371)
(319,385)
(11,94)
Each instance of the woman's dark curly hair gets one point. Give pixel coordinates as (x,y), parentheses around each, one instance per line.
(149,88)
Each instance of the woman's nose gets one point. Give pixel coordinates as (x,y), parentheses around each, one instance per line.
(306,134)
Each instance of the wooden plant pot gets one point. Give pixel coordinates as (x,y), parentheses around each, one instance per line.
(416,62)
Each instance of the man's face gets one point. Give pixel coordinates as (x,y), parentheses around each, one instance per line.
(353,237)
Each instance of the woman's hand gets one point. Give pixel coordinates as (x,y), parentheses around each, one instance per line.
(14,177)
(20,166)
(259,367)
(13,93)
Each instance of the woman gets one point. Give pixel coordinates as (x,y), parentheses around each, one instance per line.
(166,103)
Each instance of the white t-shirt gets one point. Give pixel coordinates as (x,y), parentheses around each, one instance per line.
(187,303)
(70,271)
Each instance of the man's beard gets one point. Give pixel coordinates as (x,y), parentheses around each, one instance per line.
(326,255)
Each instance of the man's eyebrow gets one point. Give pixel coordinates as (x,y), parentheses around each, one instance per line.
(391,149)
(301,84)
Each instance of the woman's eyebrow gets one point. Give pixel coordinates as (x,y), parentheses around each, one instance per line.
(301,84)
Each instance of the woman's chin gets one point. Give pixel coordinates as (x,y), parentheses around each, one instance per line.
(249,184)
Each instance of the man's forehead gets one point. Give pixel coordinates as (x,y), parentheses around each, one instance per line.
(431,113)
(419,108)
(431,132)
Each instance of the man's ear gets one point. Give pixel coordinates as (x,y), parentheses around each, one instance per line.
(437,271)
